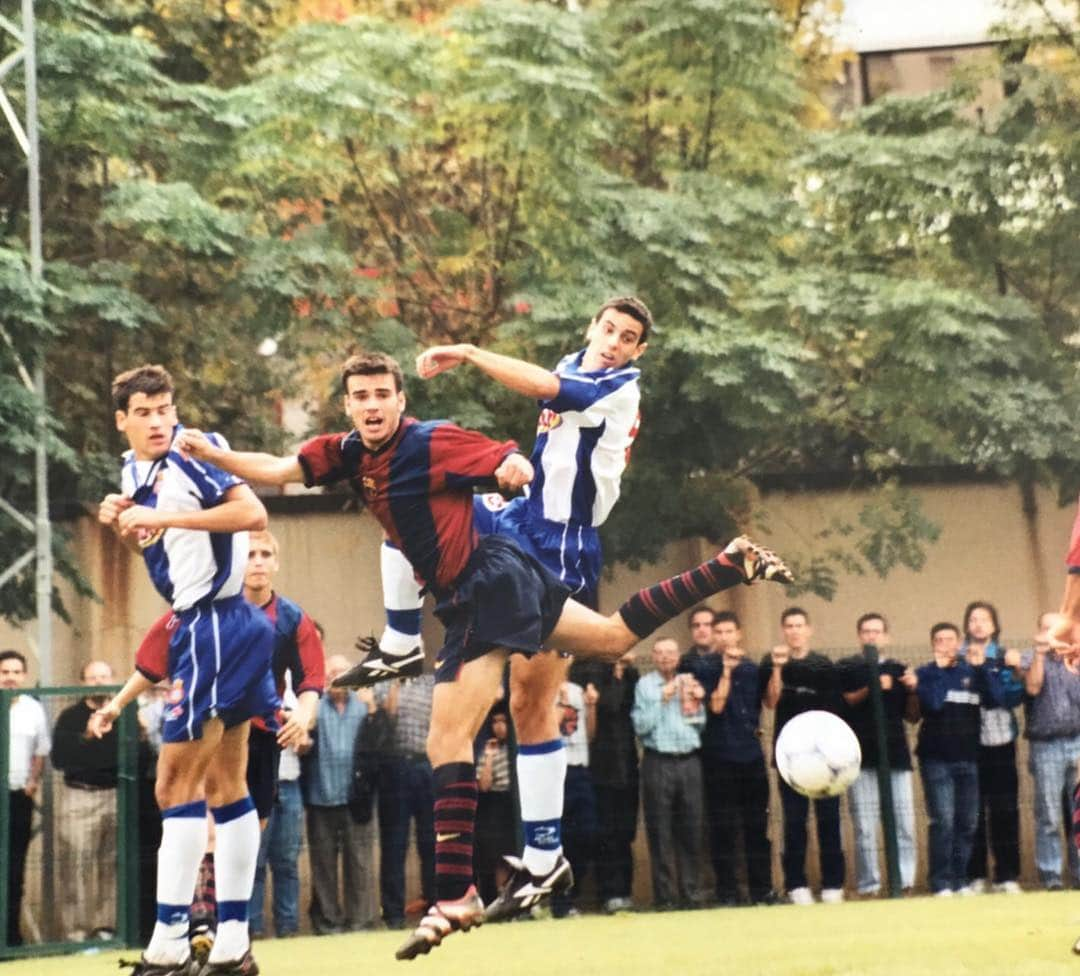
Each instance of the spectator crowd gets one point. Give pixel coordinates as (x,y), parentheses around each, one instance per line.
(682,742)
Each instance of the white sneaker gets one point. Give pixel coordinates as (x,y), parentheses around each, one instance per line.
(801,896)
(968,890)
(944,893)
(979,886)
(1009,888)
(832,896)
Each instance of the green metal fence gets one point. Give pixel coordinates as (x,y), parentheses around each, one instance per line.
(55,868)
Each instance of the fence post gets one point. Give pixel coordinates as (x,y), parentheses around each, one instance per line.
(127,827)
(884,774)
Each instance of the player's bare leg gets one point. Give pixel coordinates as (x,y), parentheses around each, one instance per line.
(236,826)
(181,795)
(585,633)
(458,709)
(541,765)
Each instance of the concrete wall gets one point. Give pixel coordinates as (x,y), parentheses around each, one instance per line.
(992,546)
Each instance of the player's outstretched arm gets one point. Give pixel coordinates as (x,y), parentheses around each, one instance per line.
(515,374)
(265,469)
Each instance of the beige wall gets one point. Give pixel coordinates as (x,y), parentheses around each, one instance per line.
(990,548)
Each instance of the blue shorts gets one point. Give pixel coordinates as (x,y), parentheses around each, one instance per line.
(504,598)
(571,552)
(219,667)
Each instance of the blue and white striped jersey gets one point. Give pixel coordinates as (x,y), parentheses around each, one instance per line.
(187,565)
(583,441)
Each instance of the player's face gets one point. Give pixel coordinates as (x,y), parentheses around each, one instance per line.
(12,673)
(797,632)
(873,632)
(262,563)
(374,407)
(980,625)
(701,628)
(614,340)
(148,424)
(727,638)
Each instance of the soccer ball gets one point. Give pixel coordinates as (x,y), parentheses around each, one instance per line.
(818,754)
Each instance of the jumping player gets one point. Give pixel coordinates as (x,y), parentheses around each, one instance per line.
(493,597)
(190,521)
(588,420)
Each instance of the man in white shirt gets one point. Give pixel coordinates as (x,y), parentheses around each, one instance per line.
(29,738)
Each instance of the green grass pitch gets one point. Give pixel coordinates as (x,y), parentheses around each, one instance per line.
(1029,935)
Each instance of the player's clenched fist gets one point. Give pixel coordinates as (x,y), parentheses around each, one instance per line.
(110,508)
(192,443)
(514,473)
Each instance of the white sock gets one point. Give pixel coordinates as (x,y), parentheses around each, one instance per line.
(183,841)
(236,851)
(541,770)
(402,600)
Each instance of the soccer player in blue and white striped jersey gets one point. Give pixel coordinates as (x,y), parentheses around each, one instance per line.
(589,412)
(190,522)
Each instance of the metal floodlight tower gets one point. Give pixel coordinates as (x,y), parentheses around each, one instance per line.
(26,134)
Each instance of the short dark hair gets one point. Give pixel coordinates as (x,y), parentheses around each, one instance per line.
(151,380)
(635,308)
(13,655)
(938,628)
(701,608)
(794,612)
(990,609)
(372,364)
(867,617)
(726,617)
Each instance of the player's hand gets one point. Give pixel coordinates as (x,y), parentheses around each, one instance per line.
(140,521)
(193,443)
(292,732)
(514,473)
(909,679)
(781,654)
(886,682)
(976,656)
(668,690)
(111,507)
(1012,659)
(102,720)
(438,359)
(367,696)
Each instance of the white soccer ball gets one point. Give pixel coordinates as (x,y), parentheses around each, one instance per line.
(818,755)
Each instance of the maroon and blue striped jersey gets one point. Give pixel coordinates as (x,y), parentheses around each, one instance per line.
(419,485)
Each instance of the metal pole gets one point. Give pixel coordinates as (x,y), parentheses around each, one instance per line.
(41,465)
(884,776)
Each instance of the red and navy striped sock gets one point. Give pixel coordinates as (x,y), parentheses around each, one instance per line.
(455,819)
(656,605)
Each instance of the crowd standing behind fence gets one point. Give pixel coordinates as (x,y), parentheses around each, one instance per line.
(951,689)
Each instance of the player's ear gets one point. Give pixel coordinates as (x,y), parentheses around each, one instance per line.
(639,352)
(121,420)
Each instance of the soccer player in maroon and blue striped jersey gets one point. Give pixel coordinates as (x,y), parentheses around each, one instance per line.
(493,598)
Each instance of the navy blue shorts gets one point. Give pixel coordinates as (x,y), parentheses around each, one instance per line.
(219,667)
(504,598)
(264,756)
(571,552)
